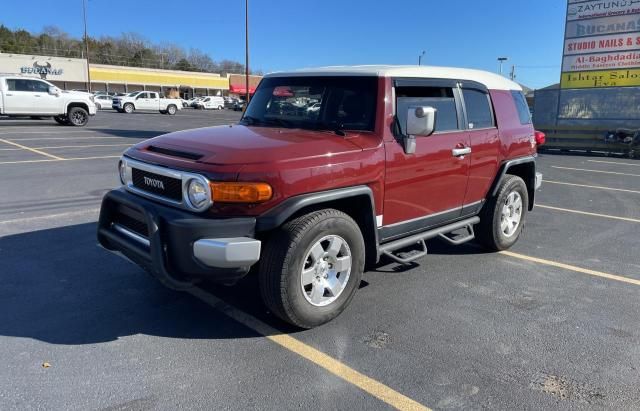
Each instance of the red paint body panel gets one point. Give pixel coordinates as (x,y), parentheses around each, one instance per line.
(295,161)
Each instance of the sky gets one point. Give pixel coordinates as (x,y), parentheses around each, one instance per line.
(289,34)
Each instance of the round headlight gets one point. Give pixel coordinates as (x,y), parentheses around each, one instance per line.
(197,192)
(122,172)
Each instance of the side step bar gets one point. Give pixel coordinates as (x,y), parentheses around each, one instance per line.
(388,249)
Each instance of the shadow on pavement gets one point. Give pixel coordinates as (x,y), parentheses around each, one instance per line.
(59,287)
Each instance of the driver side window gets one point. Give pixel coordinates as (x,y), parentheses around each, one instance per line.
(440,98)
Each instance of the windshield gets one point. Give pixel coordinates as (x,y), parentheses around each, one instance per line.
(133,94)
(329,103)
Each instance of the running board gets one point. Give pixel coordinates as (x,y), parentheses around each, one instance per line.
(389,249)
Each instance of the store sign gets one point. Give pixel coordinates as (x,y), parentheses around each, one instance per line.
(596,79)
(579,10)
(603,26)
(601,61)
(43,69)
(603,51)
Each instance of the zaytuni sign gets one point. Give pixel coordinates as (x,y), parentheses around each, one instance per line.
(602,44)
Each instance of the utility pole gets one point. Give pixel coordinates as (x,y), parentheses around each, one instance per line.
(420,57)
(501,60)
(512,76)
(246,48)
(86,43)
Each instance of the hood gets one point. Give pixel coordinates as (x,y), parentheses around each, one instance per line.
(238,144)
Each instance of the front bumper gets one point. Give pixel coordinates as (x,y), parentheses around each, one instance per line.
(177,247)
(92,110)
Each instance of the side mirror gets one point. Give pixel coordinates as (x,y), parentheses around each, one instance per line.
(54,91)
(420,122)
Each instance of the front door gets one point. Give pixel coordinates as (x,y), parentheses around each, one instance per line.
(143,102)
(426,188)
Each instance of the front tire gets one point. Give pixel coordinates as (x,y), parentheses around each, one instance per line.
(78,116)
(311,267)
(503,216)
(128,108)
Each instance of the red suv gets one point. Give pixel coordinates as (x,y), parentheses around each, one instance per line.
(327,171)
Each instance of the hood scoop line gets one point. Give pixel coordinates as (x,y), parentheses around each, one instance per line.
(175,153)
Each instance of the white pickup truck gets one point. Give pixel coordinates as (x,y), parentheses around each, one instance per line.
(25,96)
(146,101)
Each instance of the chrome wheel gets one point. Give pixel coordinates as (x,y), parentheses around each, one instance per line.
(128,108)
(511,214)
(326,270)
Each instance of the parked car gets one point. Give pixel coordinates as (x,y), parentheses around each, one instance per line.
(192,102)
(396,156)
(103,101)
(314,108)
(24,96)
(184,102)
(210,103)
(239,105)
(146,101)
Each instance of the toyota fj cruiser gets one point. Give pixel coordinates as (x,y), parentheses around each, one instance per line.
(387,158)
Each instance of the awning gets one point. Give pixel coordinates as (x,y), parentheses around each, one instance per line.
(240,89)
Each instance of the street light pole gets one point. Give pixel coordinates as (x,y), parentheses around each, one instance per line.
(420,57)
(501,60)
(246,48)
(86,43)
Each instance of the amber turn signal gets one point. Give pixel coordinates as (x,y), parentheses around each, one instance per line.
(240,192)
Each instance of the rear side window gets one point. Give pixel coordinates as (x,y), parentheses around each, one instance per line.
(522,107)
(479,113)
(440,98)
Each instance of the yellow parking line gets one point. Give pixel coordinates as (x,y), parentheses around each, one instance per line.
(76,146)
(588,186)
(614,162)
(633,220)
(572,268)
(33,150)
(88,146)
(596,171)
(317,357)
(76,138)
(57,160)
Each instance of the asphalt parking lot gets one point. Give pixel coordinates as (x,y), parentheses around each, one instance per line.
(551,324)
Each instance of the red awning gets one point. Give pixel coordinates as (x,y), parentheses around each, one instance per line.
(241,89)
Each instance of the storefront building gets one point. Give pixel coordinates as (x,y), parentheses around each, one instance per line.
(70,74)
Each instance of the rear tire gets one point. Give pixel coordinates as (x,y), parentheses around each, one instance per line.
(502,218)
(311,267)
(172,110)
(220,107)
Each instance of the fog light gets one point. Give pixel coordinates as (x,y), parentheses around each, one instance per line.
(197,192)
(122,172)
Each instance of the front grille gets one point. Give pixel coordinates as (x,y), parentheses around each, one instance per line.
(131,219)
(157,184)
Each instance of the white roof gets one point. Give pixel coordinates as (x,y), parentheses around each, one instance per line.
(490,80)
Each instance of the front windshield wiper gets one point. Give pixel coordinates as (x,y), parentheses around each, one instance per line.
(337,128)
(279,121)
(251,121)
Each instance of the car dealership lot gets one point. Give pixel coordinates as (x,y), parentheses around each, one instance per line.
(550,324)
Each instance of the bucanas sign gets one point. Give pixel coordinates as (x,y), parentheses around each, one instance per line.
(43,68)
(602,44)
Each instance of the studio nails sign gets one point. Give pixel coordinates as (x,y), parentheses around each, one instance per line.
(579,10)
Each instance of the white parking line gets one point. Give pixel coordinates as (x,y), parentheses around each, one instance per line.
(76,138)
(51,216)
(588,186)
(614,162)
(567,210)
(596,171)
(33,150)
(54,160)
(81,146)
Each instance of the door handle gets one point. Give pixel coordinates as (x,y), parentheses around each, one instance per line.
(459,152)
(9,95)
